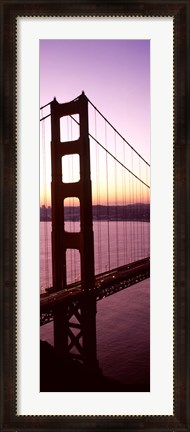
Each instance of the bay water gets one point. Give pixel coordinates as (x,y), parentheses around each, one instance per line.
(123,319)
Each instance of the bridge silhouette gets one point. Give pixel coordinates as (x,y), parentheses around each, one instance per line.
(100,214)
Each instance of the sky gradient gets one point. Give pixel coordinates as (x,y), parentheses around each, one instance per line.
(115,76)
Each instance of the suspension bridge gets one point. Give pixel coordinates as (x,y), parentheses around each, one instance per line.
(96,198)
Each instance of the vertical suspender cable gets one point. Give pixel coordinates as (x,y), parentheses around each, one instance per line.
(141,215)
(99,246)
(107,188)
(143,189)
(124,205)
(133,211)
(136,221)
(46,249)
(129,219)
(116,203)
(148,201)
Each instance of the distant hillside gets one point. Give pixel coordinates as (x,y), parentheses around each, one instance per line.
(138,212)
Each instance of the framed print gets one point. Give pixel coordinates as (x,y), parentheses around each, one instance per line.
(95,215)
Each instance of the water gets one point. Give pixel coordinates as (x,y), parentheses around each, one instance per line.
(123,320)
(128,242)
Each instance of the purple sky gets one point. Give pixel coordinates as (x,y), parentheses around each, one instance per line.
(115,76)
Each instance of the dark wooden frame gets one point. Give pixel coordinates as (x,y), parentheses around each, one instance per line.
(180,9)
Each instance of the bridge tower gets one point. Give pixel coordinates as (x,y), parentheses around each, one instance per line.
(73,339)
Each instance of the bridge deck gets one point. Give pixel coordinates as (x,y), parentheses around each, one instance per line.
(106,284)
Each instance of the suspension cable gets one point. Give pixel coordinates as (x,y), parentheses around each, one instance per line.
(118,133)
(43,118)
(106,121)
(134,175)
(41,108)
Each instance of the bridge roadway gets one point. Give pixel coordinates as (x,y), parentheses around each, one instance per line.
(106,284)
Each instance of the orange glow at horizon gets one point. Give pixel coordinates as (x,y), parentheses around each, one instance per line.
(45,198)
